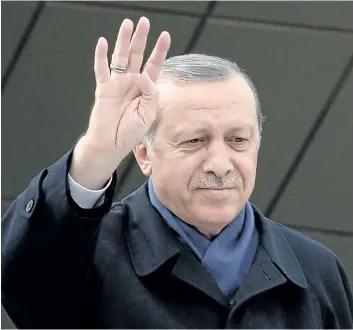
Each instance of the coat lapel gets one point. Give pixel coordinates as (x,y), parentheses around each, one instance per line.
(153,246)
(189,270)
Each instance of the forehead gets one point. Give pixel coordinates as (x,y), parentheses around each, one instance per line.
(208,103)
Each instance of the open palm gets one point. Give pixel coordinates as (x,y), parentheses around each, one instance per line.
(126,102)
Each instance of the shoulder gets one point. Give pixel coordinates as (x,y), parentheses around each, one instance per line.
(320,265)
(325,275)
(316,259)
(305,247)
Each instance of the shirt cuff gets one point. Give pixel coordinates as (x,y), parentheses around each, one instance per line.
(84,197)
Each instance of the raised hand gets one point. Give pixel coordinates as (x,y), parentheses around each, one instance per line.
(126,103)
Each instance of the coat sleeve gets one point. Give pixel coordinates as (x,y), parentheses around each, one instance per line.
(46,249)
(346,299)
(339,298)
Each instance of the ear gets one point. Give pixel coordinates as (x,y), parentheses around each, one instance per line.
(142,158)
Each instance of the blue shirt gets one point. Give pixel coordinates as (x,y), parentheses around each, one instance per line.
(228,257)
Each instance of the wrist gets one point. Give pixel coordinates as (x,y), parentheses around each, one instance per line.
(88,168)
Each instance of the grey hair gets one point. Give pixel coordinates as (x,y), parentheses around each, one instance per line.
(193,68)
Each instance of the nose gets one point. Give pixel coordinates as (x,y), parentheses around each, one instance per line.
(218,160)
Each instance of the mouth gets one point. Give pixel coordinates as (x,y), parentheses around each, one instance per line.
(216,194)
(216,188)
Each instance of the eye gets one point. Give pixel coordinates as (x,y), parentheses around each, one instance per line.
(194,141)
(240,143)
(238,140)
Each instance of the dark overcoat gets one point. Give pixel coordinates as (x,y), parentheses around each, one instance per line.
(120,266)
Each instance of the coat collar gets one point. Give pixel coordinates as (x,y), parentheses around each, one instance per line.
(152,245)
(279,250)
(156,250)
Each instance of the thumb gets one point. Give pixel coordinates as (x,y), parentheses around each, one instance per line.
(148,88)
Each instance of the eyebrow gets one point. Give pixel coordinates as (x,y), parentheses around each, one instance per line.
(177,132)
(244,128)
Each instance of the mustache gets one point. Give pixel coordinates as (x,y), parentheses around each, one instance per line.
(213,182)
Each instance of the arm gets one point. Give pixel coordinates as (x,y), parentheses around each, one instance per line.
(335,295)
(84,197)
(47,246)
(45,252)
(342,299)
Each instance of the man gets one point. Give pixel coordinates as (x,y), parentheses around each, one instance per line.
(187,249)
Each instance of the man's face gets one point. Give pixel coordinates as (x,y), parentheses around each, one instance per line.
(203,164)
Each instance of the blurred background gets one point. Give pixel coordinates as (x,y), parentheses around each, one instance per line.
(299,54)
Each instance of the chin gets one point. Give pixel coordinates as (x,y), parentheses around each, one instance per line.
(210,221)
(216,215)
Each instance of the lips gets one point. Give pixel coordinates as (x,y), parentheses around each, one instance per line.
(216,188)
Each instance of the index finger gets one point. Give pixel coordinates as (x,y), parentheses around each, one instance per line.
(156,61)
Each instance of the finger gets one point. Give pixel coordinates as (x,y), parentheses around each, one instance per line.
(101,68)
(149,97)
(147,86)
(156,60)
(120,55)
(138,45)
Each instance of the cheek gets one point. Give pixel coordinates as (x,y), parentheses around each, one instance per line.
(174,171)
(247,168)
